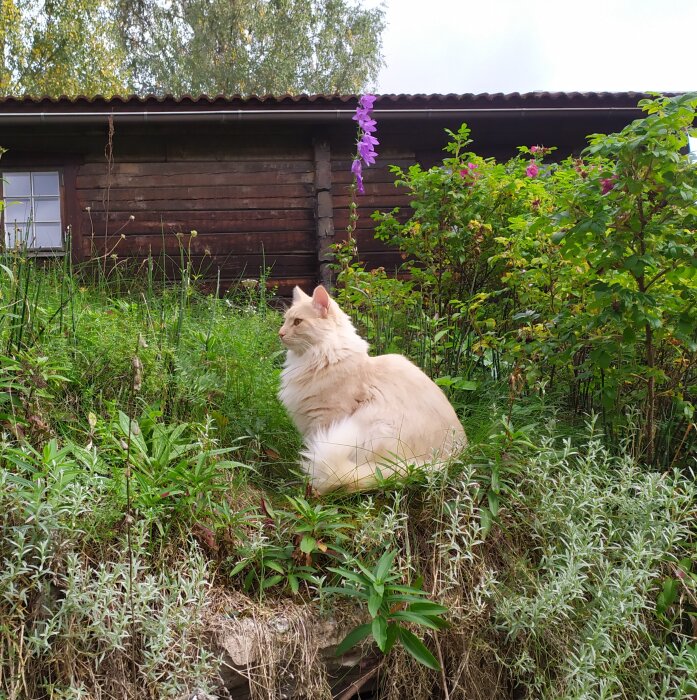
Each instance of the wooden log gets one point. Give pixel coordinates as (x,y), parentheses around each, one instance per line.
(324,210)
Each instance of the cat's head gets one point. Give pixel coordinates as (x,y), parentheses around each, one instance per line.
(313,320)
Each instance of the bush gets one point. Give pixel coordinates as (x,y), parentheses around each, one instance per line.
(577,277)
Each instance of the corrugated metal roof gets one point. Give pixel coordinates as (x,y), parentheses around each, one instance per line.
(313,108)
(550,99)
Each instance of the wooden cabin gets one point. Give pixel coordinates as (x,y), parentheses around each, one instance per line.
(263,181)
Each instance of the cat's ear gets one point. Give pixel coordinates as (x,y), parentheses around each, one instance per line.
(299,295)
(320,300)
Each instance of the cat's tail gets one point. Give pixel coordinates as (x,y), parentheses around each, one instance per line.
(349,455)
(337,457)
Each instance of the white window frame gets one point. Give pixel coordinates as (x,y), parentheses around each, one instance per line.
(10,228)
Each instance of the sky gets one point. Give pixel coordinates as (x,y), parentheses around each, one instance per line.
(460,46)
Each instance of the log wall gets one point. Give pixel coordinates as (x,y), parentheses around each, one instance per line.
(259,193)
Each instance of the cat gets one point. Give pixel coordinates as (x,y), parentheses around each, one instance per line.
(357,413)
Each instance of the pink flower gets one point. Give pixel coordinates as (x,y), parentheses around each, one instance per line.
(532,170)
(470,172)
(535,149)
(607,184)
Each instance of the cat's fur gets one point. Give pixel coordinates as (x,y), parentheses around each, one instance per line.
(357,413)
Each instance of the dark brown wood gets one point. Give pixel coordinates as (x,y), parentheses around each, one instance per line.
(166,178)
(232,193)
(324,209)
(200,244)
(256,187)
(234,221)
(70,208)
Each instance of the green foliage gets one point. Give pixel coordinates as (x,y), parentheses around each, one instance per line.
(391,605)
(58,606)
(585,615)
(60,48)
(89,47)
(576,276)
(288,545)
(175,470)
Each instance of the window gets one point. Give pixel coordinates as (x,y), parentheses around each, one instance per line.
(692,147)
(32,211)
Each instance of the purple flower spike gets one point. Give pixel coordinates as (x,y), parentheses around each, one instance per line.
(367,126)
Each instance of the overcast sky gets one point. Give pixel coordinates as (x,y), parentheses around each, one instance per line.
(442,46)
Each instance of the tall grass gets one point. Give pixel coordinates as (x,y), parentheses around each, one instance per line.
(566,570)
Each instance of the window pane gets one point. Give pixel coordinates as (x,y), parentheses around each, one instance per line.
(46,184)
(17,211)
(18,235)
(16,185)
(47,210)
(48,236)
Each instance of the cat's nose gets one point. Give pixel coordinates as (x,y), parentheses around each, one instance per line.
(281,333)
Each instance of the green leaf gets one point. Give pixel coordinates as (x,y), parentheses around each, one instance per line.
(667,596)
(239,566)
(379,630)
(384,564)
(354,637)
(350,575)
(374,603)
(426,607)
(308,544)
(486,521)
(417,649)
(268,582)
(392,636)
(465,385)
(293,583)
(415,618)
(493,503)
(273,565)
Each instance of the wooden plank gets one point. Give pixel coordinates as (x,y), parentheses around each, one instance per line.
(291,265)
(195,167)
(276,220)
(232,192)
(169,207)
(276,243)
(205,179)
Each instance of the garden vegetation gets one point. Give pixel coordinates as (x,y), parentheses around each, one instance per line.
(148,480)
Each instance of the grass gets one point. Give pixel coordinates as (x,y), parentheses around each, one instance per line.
(148,491)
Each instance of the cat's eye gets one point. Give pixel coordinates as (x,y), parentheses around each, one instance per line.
(297,321)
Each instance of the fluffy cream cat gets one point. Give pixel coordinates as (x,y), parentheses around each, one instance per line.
(357,413)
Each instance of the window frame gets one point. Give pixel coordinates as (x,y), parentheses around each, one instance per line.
(31,170)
